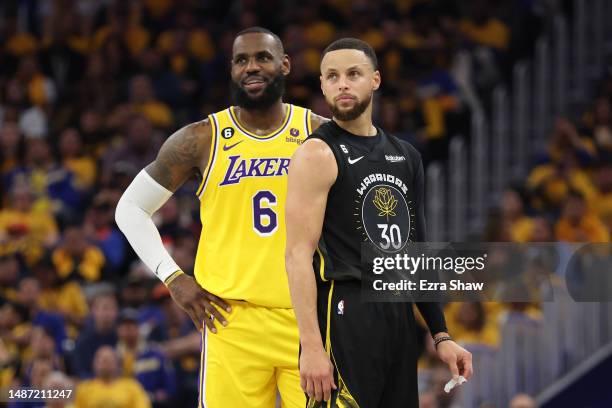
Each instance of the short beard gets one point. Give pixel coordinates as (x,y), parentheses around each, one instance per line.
(351,114)
(271,94)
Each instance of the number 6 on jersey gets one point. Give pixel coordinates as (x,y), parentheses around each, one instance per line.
(265,220)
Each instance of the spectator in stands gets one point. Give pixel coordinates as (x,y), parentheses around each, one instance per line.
(602,205)
(11,147)
(24,229)
(62,55)
(40,368)
(471,324)
(41,90)
(76,259)
(59,381)
(99,87)
(9,276)
(42,347)
(94,134)
(513,214)
(107,388)
(142,100)
(52,184)
(18,41)
(482,28)
(123,27)
(139,149)
(542,230)
(144,362)
(181,344)
(65,298)
(562,168)
(578,224)
(522,401)
(100,229)
(74,160)
(602,127)
(29,296)
(14,326)
(100,332)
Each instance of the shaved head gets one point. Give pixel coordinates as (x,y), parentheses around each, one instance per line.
(261,30)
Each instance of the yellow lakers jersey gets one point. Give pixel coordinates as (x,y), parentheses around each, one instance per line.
(241,253)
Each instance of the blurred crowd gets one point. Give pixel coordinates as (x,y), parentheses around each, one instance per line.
(89,89)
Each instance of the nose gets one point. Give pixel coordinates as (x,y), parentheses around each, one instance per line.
(342,84)
(253,66)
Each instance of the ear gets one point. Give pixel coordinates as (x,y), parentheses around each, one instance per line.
(376,80)
(286,65)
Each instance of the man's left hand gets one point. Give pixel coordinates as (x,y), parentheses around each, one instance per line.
(459,360)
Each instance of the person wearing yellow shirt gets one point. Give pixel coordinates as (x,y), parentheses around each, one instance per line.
(483,29)
(142,101)
(76,258)
(67,299)
(197,42)
(602,204)
(512,212)
(23,229)
(108,389)
(577,224)
(126,27)
(16,41)
(71,152)
(470,323)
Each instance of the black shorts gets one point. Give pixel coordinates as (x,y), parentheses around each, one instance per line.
(372,346)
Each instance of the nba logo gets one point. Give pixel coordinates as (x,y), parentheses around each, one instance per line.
(341,307)
(294,132)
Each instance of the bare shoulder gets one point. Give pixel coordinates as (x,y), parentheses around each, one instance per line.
(182,155)
(315,159)
(317,120)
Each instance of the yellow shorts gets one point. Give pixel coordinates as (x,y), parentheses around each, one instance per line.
(244,363)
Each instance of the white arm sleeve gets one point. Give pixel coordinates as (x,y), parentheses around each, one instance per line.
(143,197)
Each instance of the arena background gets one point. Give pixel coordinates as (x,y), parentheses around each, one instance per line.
(508,101)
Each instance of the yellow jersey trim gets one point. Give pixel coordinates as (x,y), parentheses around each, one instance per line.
(328,328)
(308,122)
(211,157)
(321,265)
(271,135)
(344,399)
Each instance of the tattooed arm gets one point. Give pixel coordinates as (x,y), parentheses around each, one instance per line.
(317,120)
(183,155)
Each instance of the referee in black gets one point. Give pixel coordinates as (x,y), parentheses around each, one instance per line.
(350,183)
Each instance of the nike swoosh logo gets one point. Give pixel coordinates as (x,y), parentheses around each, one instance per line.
(227,147)
(353,161)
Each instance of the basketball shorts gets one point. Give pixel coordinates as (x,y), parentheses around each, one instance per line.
(245,362)
(372,347)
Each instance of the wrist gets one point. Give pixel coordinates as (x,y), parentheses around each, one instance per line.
(172,277)
(440,334)
(311,344)
(441,339)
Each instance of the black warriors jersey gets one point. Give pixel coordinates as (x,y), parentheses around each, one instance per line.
(377,198)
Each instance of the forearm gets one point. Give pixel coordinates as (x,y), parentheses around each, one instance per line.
(434,317)
(303,288)
(140,201)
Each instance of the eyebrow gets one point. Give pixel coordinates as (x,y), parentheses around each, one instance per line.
(347,69)
(257,54)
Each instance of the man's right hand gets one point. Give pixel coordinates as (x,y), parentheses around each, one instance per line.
(316,373)
(197,302)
